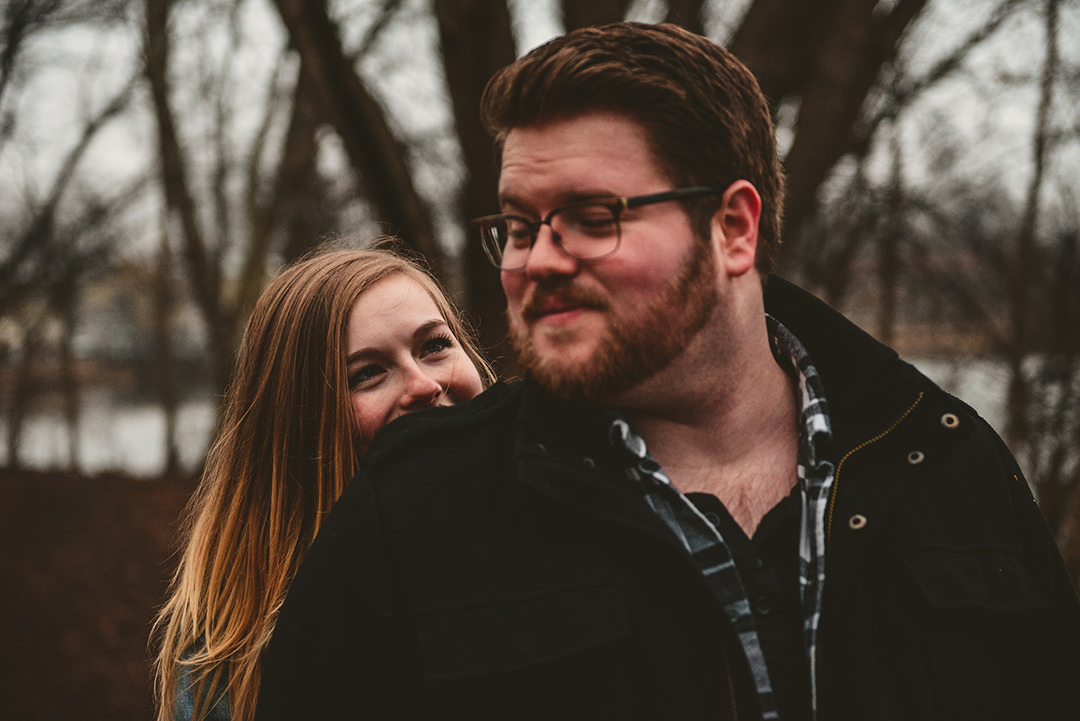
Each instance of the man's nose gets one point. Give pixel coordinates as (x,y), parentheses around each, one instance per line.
(546,258)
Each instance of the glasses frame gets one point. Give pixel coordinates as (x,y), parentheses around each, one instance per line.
(615,204)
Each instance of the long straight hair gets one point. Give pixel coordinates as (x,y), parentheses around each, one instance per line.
(284,451)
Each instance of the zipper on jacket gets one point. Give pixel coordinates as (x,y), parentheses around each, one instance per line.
(853,451)
(731,687)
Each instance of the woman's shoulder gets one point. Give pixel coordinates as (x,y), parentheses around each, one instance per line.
(184,710)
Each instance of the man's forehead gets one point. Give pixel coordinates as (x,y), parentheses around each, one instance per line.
(595,154)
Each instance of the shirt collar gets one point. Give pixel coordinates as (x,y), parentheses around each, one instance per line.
(815,428)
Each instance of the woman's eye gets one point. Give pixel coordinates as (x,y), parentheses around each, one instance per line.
(436,344)
(365,374)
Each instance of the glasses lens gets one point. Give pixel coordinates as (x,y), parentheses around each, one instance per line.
(492,236)
(507,240)
(587,231)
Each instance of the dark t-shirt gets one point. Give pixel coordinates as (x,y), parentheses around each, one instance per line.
(768,564)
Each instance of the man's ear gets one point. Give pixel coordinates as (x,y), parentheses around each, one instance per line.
(735,228)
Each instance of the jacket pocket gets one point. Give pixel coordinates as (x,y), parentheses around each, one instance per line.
(514,634)
(965,634)
(992,580)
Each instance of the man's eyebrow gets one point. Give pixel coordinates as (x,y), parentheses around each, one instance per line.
(512,201)
(566,197)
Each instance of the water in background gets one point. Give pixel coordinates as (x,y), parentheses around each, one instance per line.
(115,434)
(981,383)
(118,434)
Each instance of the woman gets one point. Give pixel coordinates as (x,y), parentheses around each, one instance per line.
(337,346)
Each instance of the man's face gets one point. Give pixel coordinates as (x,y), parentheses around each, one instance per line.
(592,330)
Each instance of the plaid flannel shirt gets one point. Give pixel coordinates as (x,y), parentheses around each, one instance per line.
(706,546)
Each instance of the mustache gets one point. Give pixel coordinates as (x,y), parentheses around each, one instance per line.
(542,298)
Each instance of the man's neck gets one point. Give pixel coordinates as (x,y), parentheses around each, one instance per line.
(729,429)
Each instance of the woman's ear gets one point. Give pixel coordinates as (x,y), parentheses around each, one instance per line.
(735,228)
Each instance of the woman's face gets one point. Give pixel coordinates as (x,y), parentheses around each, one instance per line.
(402,356)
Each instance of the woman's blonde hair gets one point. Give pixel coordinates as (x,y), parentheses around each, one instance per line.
(284,451)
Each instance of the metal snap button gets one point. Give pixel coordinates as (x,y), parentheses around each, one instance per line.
(541,447)
(648,465)
(761,606)
(712,518)
(949,420)
(857,522)
(589,463)
(916,457)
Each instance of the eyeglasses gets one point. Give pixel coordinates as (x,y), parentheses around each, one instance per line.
(586,230)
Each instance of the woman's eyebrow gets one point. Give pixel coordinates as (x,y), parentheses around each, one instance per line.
(421,330)
(358,355)
(425,328)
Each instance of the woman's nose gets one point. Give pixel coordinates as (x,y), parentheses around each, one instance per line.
(421,389)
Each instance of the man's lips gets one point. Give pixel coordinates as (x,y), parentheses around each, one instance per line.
(549,306)
(556,307)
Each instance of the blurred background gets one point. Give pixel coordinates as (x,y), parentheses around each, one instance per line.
(160,160)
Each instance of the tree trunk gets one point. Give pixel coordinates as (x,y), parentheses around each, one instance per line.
(22,392)
(69,382)
(889,250)
(293,209)
(167,381)
(579,14)
(299,189)
(203,274)
(829,54)
(688,14)
(377,157)
(476,40)
(1016,429)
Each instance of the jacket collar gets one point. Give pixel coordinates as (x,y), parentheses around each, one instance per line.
(562,449)
(889,422)
(866,384)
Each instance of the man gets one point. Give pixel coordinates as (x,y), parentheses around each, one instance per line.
(707,500)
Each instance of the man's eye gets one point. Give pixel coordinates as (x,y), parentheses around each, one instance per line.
(518,234)
(436,344)
(365,374)
(596,220)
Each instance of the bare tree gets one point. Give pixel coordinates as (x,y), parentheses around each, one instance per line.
(286,204)
(1024,260)
(476,41)
(597,12)
(167,381)
(50,258)
(376,154)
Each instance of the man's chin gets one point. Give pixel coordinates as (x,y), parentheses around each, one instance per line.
(572,377)
(570,384)
(563,374)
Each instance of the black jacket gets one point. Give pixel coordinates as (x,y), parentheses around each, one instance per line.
(489,564)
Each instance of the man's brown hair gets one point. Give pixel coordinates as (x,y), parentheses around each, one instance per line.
(702,110)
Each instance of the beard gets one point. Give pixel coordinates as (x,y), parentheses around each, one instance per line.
(635,345)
